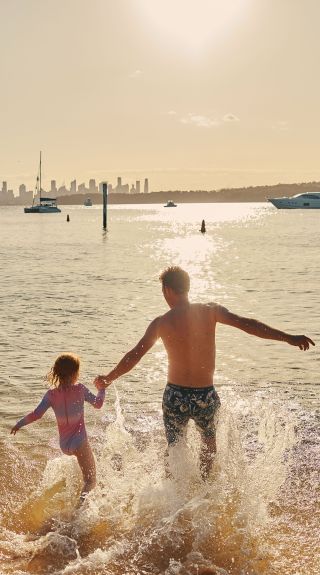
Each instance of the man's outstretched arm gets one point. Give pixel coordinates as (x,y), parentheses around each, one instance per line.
(131,358)
(259,329)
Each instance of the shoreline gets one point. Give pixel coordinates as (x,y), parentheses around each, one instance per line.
(228,195)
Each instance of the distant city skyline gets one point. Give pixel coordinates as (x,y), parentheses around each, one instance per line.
(194,94)
(7,194)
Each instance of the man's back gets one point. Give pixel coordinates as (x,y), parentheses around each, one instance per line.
(188,334)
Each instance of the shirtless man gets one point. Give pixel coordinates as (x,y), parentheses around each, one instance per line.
(187,331)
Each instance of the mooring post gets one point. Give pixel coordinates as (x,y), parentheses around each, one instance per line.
(105,202)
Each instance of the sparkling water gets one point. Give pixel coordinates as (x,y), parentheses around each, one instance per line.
(72,287)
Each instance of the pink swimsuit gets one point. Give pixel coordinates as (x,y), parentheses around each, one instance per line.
(67,404)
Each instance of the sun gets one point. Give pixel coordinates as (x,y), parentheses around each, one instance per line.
(191,26)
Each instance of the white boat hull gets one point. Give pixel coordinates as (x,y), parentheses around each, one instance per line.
(299,202)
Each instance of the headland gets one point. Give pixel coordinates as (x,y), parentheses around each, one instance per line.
(250,194)
(224,195)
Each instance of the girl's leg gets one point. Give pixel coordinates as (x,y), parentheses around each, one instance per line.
(87,464)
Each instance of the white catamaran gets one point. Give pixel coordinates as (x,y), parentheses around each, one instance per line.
(45,205)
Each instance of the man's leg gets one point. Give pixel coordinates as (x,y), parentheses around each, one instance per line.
(174,429)
(87,464)
(178,436)
(205,412)
(175,419)
(207,453)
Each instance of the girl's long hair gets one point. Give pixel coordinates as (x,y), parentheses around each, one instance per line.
(63,371)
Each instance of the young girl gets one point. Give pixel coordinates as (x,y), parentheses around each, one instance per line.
(67,401)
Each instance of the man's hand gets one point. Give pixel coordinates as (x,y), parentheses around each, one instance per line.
(101,382)
(301,341)
(14,429)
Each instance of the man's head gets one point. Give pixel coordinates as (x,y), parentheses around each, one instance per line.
(175,284)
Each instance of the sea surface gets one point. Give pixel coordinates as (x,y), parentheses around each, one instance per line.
(70,286)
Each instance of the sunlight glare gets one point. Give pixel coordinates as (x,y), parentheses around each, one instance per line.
(194,253)
(191,25)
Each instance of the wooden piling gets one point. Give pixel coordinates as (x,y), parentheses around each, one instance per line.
(105,203)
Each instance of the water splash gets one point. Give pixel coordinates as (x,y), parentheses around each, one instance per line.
(138,521)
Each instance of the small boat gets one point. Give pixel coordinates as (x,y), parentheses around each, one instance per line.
(87,202)
(45,205)
(170,204)
(306,201)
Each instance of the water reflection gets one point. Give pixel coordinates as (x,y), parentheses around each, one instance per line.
(62,288)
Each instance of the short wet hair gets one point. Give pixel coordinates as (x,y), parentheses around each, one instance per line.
(175,278)
(65,367)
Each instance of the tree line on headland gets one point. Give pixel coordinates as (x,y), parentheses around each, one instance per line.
(249,194)
(245,194)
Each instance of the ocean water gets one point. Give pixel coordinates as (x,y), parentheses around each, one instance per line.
(72,287)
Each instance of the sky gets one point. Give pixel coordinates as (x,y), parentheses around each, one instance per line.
(193,94)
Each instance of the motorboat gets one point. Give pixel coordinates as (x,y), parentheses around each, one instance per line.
(44,205)
(170,204)
(87,202)
(307,201)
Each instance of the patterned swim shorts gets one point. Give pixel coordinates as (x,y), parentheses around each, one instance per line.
(183,403)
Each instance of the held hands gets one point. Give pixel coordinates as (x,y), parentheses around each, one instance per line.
(101,382)
(301,341)
(14,429)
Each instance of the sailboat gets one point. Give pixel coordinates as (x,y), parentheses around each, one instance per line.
(45,205)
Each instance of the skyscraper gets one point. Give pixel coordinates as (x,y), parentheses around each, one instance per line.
(138,187)
(73,187)
(146,186)
(92,186)
(125,189)
(53,188)
(25,196)
(119,184)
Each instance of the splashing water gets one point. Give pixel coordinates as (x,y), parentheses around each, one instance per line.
(137,521)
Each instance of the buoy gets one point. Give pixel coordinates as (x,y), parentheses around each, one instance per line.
(68,219)
(203,227)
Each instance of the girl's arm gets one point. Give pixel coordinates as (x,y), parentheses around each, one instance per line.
(95,400)
(34,415)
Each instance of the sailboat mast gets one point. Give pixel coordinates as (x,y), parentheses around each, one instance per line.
(40,176)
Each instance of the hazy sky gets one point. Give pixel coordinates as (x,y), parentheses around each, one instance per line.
(194,94)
